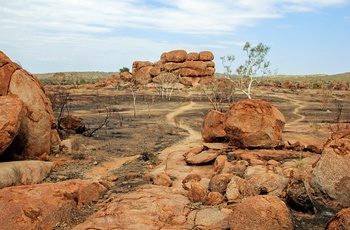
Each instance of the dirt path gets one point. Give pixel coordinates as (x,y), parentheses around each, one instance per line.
(193,136)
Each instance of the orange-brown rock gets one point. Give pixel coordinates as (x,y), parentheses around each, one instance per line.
(206,56)
(11,116)
(219,183)
(74,123)
(176,56)
(43,206)
(197,193)
(213,127)
(214,198)
(126,76)
(340,221)
(261,212)
(192,56)
(37,127)
(143,75)
(330,177)
(254,123)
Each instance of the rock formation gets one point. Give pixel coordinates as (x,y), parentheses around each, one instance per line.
(27,126)
(190,68)
(248,123)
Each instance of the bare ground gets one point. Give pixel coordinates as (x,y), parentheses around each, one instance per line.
(129,145)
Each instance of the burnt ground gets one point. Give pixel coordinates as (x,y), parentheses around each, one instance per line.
(127,147)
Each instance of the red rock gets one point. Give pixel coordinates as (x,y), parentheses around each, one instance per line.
(186,183)
(176,56)
(143,75)
(254,123)
(260,212)
(206,56)
(43,206)
(162,179)
(214,198)
(198,193)
(192,56)
(126,76)
(38,123)
(10,119)
(72,123)
(202,158)
(340,221)
(219,183)
(213,127)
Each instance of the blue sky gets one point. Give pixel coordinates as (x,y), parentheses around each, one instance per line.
(305,36)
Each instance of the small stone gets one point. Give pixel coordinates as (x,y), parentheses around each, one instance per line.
(112,178)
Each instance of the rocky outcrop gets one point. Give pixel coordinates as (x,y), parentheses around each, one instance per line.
(36,132)
(45,206)
(188,67)
(72,123)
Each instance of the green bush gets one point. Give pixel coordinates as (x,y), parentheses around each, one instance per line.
(124,69)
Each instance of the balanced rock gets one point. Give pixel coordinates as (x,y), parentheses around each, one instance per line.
(254,123)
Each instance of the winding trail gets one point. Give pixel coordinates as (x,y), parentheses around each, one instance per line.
(193,136)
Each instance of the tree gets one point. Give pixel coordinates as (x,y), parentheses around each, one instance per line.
(255,64)
(124,69)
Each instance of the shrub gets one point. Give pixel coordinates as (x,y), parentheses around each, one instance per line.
(124,69)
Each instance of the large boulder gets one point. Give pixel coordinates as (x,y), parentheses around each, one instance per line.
(213,127)
(261,212)
(330,177)
(37,130)
(254,123)
(44,206)
(10,119)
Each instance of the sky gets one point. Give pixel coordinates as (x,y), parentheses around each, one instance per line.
(44,36)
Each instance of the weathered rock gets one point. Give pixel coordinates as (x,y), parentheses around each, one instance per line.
(266,183)
(74,123)
(10,119)
(341,221)
(126,76)
(192,56)
(202,157)
(198,193)
(214,198)
(298,192)
(340,142)
(213,129)
(331,179)
(37,127)
(162,179)
(206,56)
(233,190)
(150,207)
(7,68)
(186,183)
(211,218)
(175,56)
(23,172)
(220,163)
(43,206)
(143,75)
(219,183)
(260,212)
(254,123)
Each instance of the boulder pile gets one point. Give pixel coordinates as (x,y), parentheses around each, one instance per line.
(177,66)
(27,124)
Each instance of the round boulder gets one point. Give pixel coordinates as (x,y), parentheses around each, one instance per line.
(254,123)
(261,212)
